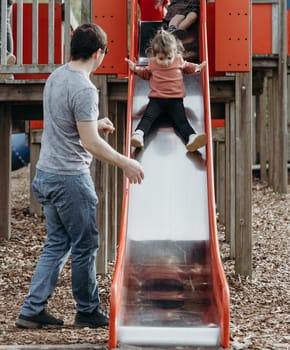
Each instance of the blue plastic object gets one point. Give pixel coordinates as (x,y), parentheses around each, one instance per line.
(20,151)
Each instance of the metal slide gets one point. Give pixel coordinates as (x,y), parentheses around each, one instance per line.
(169,288)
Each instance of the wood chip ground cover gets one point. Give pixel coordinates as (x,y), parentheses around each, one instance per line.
(259,307)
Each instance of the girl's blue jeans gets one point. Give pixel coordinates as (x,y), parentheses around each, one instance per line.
(69,203)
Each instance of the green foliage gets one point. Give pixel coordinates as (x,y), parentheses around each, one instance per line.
(76,6)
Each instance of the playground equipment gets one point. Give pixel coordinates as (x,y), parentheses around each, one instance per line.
(231,98)
(169,287)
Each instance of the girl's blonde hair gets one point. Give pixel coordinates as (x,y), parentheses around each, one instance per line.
(164,42)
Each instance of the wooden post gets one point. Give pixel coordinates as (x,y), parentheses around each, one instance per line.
(243,129)
(219,143)
(100,173)
(5,161)
(113,188)
(280,181)
(254,131)
(262,138)
(116,176)
(272,104)
(288,102)
(222,184)
(35,144)
(121,131)
(230,176)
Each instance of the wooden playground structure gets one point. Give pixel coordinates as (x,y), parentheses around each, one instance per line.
(249,65)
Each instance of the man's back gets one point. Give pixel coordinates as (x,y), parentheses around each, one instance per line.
(68,97)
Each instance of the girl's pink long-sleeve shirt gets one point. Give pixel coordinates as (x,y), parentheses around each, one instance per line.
(167,82)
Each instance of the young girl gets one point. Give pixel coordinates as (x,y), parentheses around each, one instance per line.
(165,73)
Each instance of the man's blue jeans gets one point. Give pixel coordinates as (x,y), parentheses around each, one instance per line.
(70,210)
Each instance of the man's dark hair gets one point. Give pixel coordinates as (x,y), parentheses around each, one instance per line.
(87,39)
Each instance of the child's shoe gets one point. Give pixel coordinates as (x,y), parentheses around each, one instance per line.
(137,139)
(180,33)
(196,141)
(171,29)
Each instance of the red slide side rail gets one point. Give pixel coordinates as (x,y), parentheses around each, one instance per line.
(118,277)
(221,290)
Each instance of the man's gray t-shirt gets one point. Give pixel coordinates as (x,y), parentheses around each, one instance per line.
(68,97)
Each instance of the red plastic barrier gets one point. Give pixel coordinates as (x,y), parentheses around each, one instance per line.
(148,12)
(36,124)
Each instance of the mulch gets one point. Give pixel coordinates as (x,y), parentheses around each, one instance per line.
(259,306)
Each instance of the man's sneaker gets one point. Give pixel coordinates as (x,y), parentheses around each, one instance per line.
(137,139)
(43,319)
(98,318)
(196,141)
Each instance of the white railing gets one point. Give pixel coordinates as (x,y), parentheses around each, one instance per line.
(67,22)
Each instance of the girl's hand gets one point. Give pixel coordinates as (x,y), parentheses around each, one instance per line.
(199,67)
(203,64)
(131,64)
(106,126)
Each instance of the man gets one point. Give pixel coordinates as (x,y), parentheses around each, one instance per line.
(64,186)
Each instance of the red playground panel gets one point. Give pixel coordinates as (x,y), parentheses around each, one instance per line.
(148,12)
(36,124)
(288,28)
(217,123)
(232,36)
(210,22)
(262,29)
(112,16)
(42,37)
